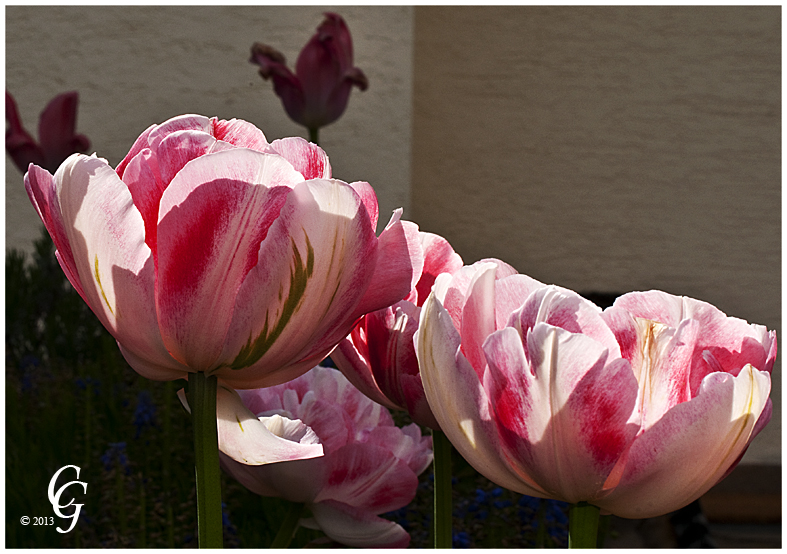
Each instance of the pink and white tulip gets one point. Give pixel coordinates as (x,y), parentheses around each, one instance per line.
(370,466)
(638,409)
(211,250)
(378,356)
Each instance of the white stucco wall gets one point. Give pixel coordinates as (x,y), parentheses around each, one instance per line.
(609,149)
(135,66)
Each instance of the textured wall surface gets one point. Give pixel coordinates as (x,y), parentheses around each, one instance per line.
(608,149)
(135,66)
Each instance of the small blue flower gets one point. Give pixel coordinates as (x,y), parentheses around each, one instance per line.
(116,452)
(29,361)
(82,384)
(460,540)
(529,502)
(145,412)
(500,504)
(229,528)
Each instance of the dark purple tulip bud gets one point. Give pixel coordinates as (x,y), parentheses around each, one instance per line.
(317,93)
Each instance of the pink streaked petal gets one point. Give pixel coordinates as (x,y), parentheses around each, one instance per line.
(115,266)
(296,303)
(351,363)
(478,317)
(664,368)
(459,402)
(212,219)
(282,479)
(564,424)
(142,178)
(626,331)
(356,527)
(503,269)
(239,133)
(177,149)
(415,401)
(733,342)
(510,294)
(406,444)
(330,422)
(399,260)
(452,294)
(564,308)
(307,158)
(363,411)
(187,122)
(368,476)
(423,455)
(691,447)
(252,441)
(40,186)
(369,199)
(139,145)
(772,351)
(389,335)
(762,421)
(439,257)
(161,368)
(654,305)
(254,478)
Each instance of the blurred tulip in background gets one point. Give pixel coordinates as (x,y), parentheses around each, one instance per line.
(56,132)
(317,93)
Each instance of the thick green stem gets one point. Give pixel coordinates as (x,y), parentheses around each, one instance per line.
(314,135)
(202,392)
(583,525)
(288,526)
(443,511)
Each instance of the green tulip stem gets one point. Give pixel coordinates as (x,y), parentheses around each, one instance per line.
(443,511)
(314,135)
(202,392)
(288,526)
(583,525)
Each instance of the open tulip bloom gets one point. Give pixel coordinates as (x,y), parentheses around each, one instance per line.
(636,410)
(210,253)
(370,466)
